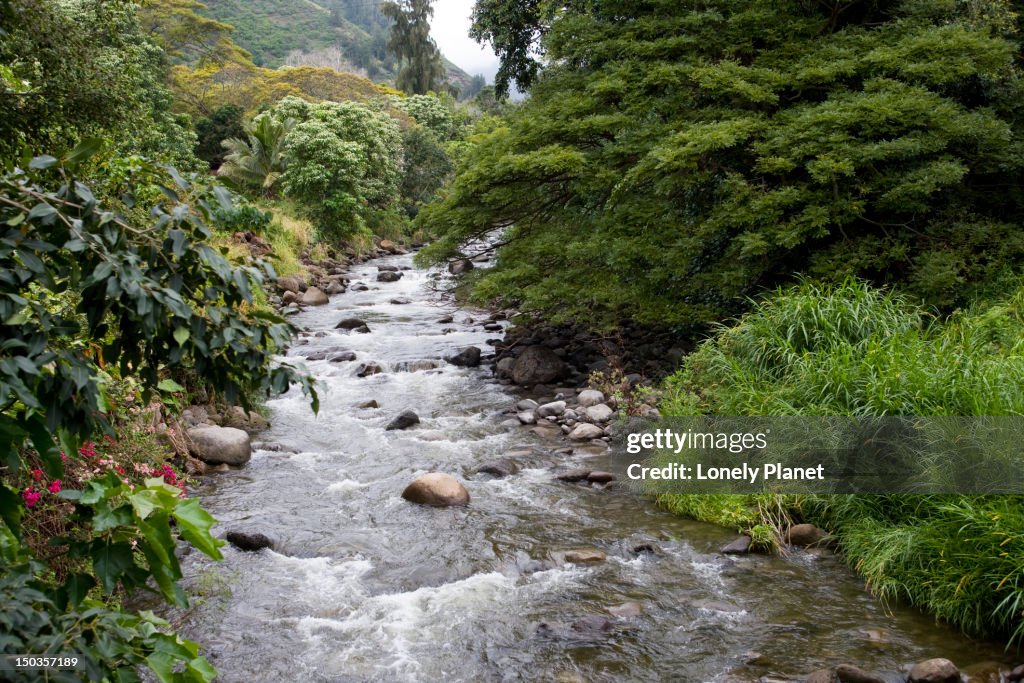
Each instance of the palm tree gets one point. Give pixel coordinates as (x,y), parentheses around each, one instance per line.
(256,164)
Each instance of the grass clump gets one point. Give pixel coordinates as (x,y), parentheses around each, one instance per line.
(851,349)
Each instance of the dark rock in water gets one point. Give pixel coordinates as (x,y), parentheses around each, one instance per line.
(401,301)
(367,369)
(315,297)
(460,266)
(247,541)
(537,365)
(646,547)
(388,276)
(469,357)
(387,269)
(573,475)
(593,623)
(600,477)
(274,448)
(585,556)
(359,287)
(740,546)
(342,357)
(350,324)
(493,327)
(805,534)
(848,673)
(447,320)
(403,420)
(936,670)
(368,404)
(437,489)
(499,468)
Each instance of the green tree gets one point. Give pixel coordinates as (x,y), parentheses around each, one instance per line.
(422,69)
(426,169)
(432,112)
(255,164)
(223,124)
(676,157)
(514,29)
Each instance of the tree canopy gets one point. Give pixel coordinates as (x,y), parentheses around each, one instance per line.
(674,158)
(422,68)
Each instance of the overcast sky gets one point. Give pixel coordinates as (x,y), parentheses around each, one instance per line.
(450,28)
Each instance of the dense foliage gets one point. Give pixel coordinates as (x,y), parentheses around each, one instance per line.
(676,157)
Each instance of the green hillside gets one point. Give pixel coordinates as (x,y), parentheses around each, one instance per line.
(346,35)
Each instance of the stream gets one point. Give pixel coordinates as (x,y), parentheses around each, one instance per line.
(364,586)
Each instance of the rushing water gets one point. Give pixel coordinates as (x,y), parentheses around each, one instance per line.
(363,586)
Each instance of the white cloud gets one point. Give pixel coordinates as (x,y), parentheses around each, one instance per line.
(450,29)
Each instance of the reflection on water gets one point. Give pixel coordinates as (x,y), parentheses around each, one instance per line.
(363,586)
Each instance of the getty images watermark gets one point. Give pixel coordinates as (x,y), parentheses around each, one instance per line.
(822,455)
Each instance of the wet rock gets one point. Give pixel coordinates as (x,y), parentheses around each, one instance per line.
(217,445)
(250,542)
(239,418)
(368,404)
(740,546)
(388,276)
(447,320)
(600,477)
(593,623)
(585,556)
(527,404)
(403,420)
(503,368)
(436,489)
(510,423)
(359,287)
(417,365)
(314,296)
(274,448)
(527,417)
(573,476)
(936,670)
(499,468)
(804,534)
(586,432)
(985,672)
(333,288)
(351,324)
(460,266)
(848,673)
(553,409)
(627,610)
(600,413)
(537,365)
(387,269)
(194,415)
(469,357)
(367,369)
(821,676)
(646,547)
(342,357)
(401,301)
(590,397)
(492,327)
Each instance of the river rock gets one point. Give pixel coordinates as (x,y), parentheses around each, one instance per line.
(848,673)
(290,284)
(359,287)
(553,409)
(403,420)
(573,476)
(447,320)
(821,676)
(401,301)
(585,556)
(314,296)
(460,266)
(527,404)
(740,546)
(367,369)
(368,404)
(469,357)
(350,324)
(388,276)
(217,445)
(387,269)
(537,365)
(599,477)
(586,432)
(334,287)
(527,417)
(627,610)
(436,489)
(503,368)
(936,670)
(593,623)
(390,247)
(499,468)
(600,413)
(804,534)
(244,540)
(342,357)
(590,397)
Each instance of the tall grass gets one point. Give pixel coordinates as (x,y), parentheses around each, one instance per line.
(850,349)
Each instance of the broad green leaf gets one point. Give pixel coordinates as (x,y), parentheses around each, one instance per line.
(169,385)
(181,335)
(194,524)
(110,561)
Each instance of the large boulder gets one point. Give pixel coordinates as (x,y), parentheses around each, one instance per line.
(290,284)
(936,670)
(600,413)
(389,276)
(436,489)
(805,534)
(537,365)
(460,266)
(403,420)
(248,541)
(350,324)
(848,673)
(468,357)
(314,296)
(553,409)
(586,432)
(590,397)
(220,445)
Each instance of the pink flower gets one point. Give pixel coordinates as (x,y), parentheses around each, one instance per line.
(37,474)
(88,450)
(63,456)
(54,487)
(31,497)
